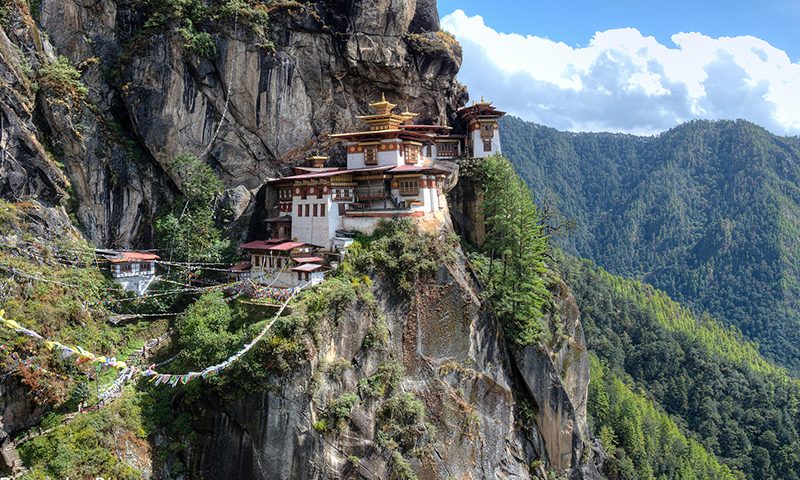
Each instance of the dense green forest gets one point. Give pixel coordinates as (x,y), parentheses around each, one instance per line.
(705,376)
(707,211)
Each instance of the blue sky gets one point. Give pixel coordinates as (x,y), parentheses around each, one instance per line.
(621,66)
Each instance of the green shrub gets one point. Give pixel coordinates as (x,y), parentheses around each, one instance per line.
(337,413)
(401,423)
(87,447)
(378,334)
(61,79)
(205,333)
(383,382)
(199,43)
(188,231)
(400,250)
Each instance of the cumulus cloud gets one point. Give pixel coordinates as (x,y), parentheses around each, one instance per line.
(626,82)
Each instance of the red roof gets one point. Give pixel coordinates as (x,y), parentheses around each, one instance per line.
(307,259)
(285,247)
(263,244)
(407,168)
(333,173)
(125,257)
(415,168)
(308,176)
(307,267)
(257,245)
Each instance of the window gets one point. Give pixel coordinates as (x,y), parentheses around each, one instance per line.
(447,149)
(299,210)
(412,154)
(315,209)
(487,145)
(308,210)
(322,210)
(319,191)
(303,192)
(409,187)
(370,155)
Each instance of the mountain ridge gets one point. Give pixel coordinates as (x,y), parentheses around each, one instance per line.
(703,211)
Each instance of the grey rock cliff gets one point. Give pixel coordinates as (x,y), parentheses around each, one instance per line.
(454,359)
(250,109)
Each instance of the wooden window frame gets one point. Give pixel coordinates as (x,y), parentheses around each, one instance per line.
(405,188)
(371,155)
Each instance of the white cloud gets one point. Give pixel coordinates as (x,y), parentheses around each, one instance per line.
(627,82)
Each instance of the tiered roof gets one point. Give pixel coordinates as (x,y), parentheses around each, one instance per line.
(482,109)
(384,123)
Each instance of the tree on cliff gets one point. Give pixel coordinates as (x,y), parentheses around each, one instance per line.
(187,232)
(512,261)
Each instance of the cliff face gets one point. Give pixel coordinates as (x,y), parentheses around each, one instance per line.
(247,109)
(494,412)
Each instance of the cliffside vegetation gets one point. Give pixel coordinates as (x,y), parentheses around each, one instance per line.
(706,211)
(192,19)
(49,282)
(713,383)
(511,263)
(188,230)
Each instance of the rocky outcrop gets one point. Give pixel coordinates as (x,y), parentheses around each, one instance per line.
(247,110)
(454,360)
(556,376)
(26,169)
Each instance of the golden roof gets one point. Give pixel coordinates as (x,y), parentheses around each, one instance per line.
(383,118)
(382,107)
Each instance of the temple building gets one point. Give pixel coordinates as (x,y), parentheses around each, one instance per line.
(392,171)
(134,271)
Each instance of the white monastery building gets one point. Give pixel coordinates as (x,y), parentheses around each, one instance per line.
(391,172)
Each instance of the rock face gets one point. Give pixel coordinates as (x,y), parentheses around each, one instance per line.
(246,110)
(454,359)
(557,377)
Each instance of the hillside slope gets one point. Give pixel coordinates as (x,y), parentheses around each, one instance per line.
(706,211)
(739,406)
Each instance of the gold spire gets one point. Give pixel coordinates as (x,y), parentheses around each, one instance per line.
(382,107)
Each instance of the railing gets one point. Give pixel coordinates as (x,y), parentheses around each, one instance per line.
(362,194)
(390,204)
(141,273)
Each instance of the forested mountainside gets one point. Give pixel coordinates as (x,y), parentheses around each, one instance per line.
(713,384)
(707,211)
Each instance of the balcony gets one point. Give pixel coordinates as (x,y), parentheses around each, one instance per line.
(363,194)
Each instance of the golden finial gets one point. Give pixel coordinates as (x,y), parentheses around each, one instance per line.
(383,97)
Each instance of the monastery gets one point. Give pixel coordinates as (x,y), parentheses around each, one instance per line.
(394,170)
